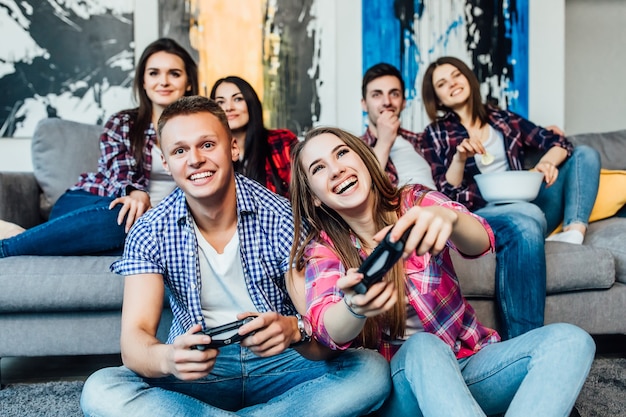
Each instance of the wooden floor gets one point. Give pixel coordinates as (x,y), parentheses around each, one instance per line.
(40,369)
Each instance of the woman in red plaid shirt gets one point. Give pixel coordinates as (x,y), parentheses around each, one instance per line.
(265,154)
(444,362)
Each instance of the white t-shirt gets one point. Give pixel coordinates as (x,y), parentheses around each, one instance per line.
(495,146)
(411,166)
(161,183)
(224,292)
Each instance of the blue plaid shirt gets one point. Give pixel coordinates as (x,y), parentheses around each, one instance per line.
(163,242)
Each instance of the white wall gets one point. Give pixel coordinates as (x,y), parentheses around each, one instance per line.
(595,87)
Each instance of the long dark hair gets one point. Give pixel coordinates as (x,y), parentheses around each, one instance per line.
(144,111)
(429,96)
(256,149)
(323,218)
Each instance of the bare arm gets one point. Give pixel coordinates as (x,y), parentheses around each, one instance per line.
(434,225)
(549,162)
(467,149)
(142,351)
(313,350)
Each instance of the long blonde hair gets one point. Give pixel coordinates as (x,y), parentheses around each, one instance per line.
(323,218)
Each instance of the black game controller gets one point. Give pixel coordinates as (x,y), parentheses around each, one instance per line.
(217,343)
(380,261)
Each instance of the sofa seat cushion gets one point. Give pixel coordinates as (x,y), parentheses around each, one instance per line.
(610,234)
(569,268)
(59,283)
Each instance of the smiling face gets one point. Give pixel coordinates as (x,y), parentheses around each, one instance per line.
(199,152)
(451,87)
(165,79)
(383,94)
(336,175)
(230,98)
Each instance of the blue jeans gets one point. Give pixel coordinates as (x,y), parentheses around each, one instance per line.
(572,196)
(520,285)
(537,374)
(357,382)
(80,223)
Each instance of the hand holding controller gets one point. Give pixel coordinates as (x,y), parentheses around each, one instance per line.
(217,343)
(380,261)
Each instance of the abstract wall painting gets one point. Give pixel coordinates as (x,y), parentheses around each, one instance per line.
(68,59)
(275,45)
(490,36)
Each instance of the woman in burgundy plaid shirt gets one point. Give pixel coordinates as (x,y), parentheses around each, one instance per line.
(265,154)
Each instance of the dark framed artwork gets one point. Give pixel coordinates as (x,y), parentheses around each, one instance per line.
(274,45)
(72,60)
(490,36)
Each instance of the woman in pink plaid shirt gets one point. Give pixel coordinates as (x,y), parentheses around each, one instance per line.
(443,360)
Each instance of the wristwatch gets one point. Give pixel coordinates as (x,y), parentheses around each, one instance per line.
(306,331)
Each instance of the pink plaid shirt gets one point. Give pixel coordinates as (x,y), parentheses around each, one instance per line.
(432,287)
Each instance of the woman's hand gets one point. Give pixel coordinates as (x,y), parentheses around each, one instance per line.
(549,170)
(468,148)
(378,299)
(135,205)
(432,227)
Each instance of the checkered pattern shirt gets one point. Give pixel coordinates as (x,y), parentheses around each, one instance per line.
(163,242)
(414,139)
(431,284)
(442,137)
(117,167)
(280,143)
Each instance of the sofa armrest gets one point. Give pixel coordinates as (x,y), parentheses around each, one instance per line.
(19,198)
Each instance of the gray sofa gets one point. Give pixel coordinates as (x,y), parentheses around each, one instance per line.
(71,305)
(57,305)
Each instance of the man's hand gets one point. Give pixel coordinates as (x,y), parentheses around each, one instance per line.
(188,364)
(387,127)
(135,205)
(273,333)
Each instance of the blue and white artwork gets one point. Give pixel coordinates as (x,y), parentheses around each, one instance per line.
(68,59)
(490,36)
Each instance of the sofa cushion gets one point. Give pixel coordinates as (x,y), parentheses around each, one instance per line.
(569,268)
(610,235)
(59,283)
(61,151)
(611,194)
(610,145)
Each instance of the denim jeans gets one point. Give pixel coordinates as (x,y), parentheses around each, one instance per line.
(572,196)
(80,223)
(355,383)
(520,285)
(537,374)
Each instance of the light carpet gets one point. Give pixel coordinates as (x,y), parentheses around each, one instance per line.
(603,395)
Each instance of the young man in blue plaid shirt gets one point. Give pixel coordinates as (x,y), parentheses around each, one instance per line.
(220,245)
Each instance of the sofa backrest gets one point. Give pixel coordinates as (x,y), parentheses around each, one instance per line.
(610,145)
(61,151)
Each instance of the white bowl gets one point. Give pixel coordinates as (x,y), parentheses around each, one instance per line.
(509,186)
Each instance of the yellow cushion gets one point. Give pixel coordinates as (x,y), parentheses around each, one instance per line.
(611,194)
